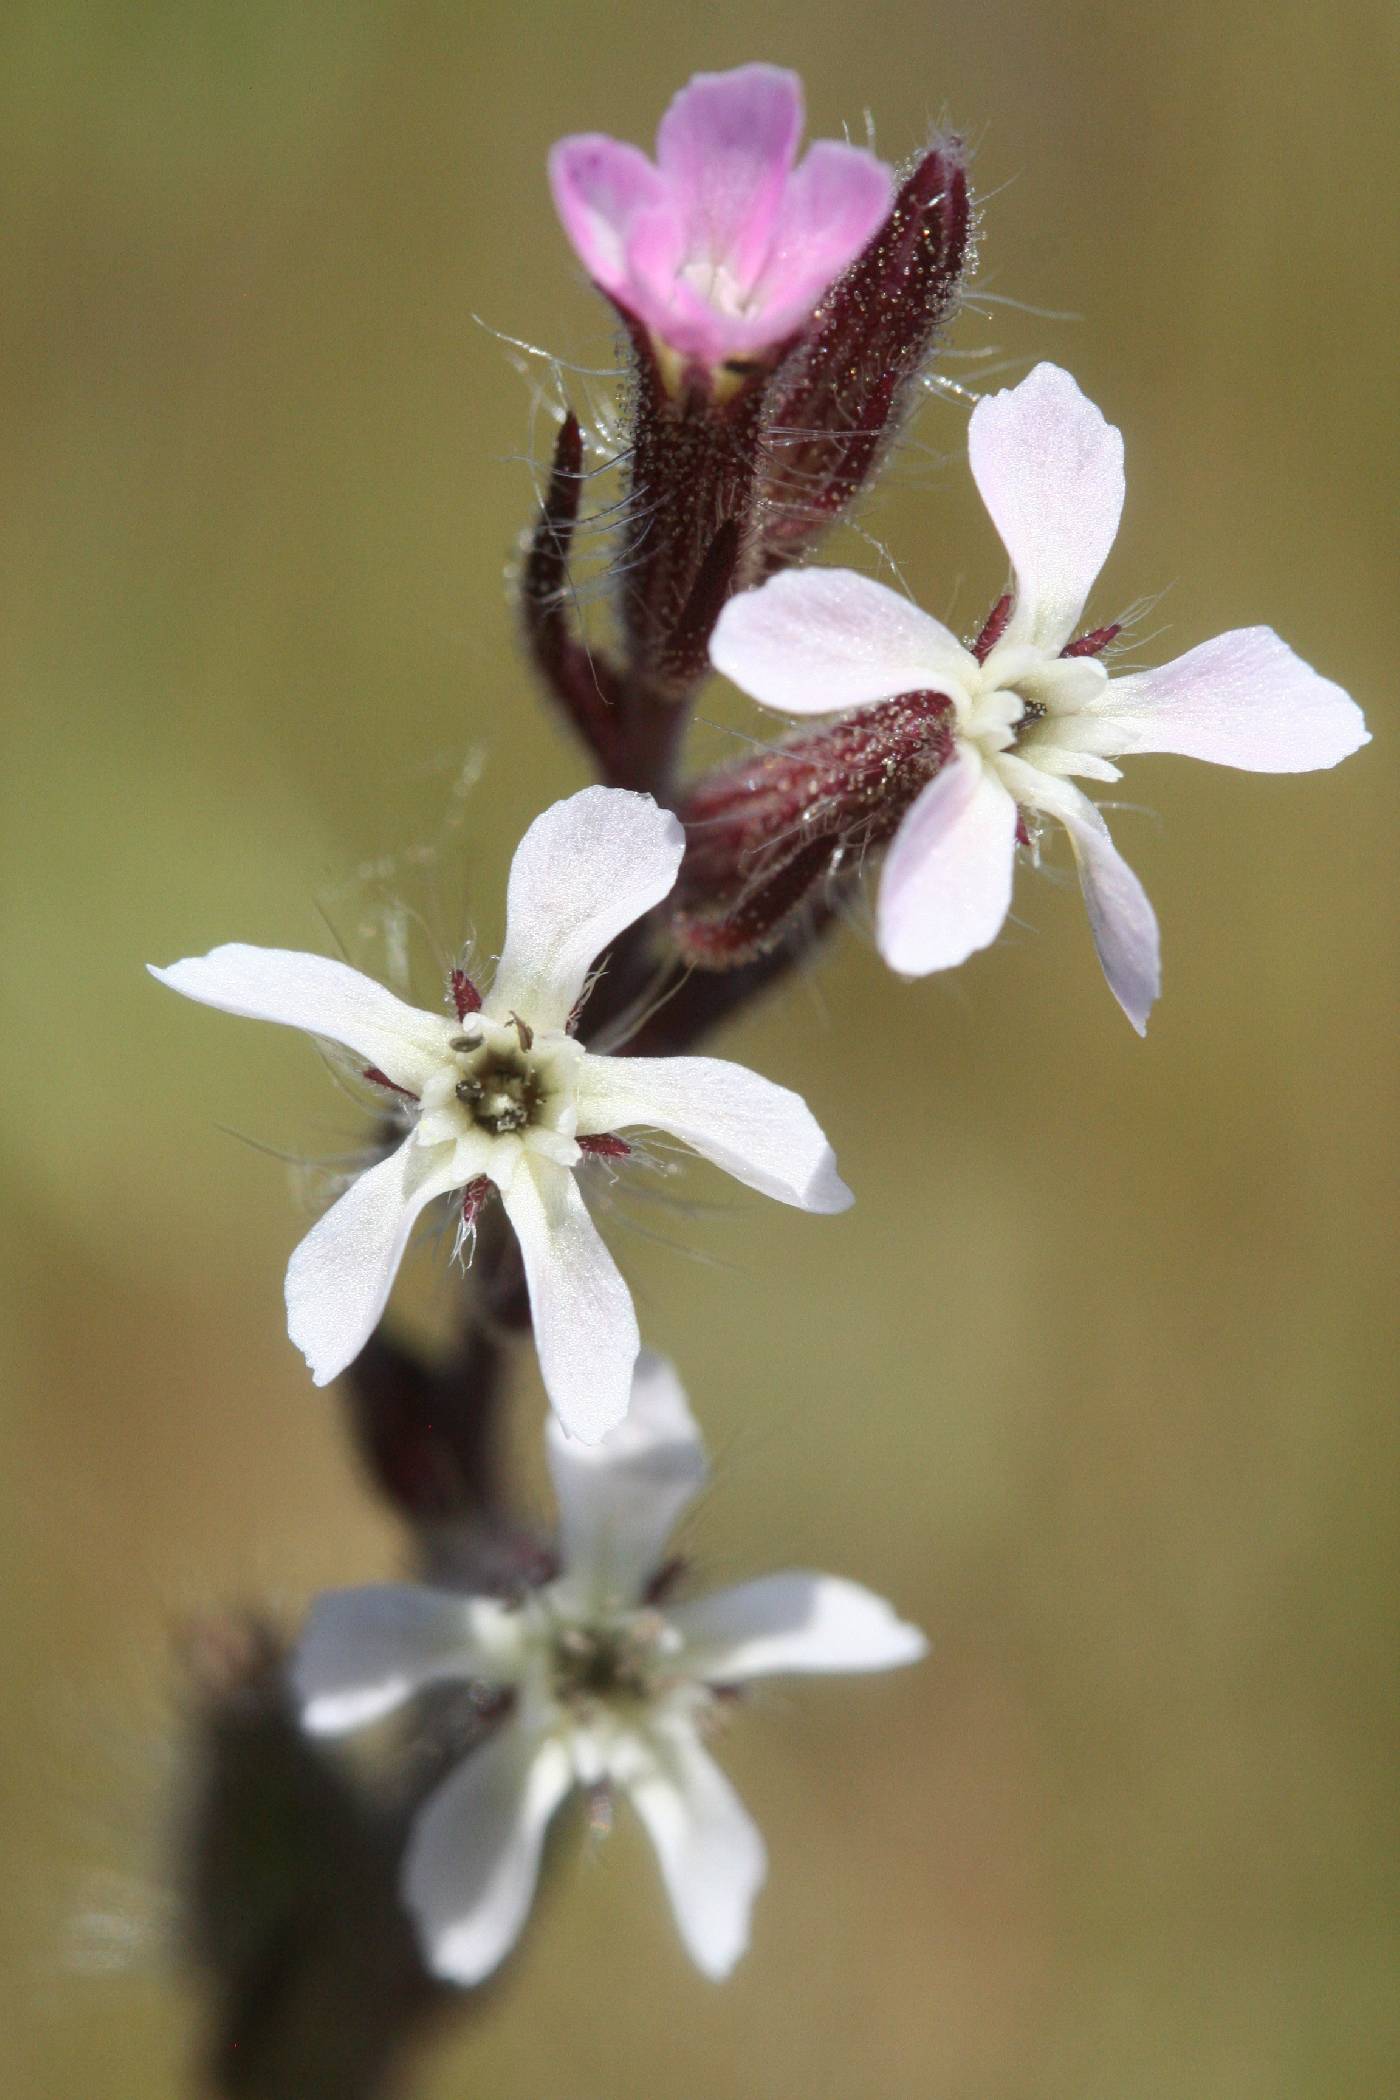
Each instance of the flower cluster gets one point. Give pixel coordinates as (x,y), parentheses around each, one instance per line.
(779,313)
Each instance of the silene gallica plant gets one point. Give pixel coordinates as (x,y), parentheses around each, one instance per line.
(780,310)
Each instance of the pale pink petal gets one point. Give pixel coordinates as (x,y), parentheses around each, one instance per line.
(1050,471)
(793,1622)
(1122,920)
(363,1652)
(725,148)
(474,1856)
(324,997)
(946,885)
(762,1134)
(585,1328)
(835,204)
(816,641)
(584,870)
(620,1500)
(601,189)
(1243,699)
(710,1852)
(339,1278)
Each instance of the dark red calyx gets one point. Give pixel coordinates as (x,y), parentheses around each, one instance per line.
(605,1145)
(465,996)
(372,1072)
(993,628)
(581,681)
(474,1196)
(1093,644)
(761,836)
(845,391)
(689,541)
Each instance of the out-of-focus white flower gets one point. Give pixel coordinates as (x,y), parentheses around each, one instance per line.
(607,1690)
(506,1096)
(1032,706)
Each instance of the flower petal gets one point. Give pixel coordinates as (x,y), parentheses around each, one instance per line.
(1122,920)
(762,1134)
(1243,699)
(815,641)
(725,148)
(601,189)
(363,1652)
(946,885)
(324,997)
(620,1500)
(474,1856)
(339,1278)
(711,1854)
(792,1622)
(585,1327)
(584,870)
(1050,471)
(835,203)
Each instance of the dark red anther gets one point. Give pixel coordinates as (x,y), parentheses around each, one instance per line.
(465,996)
(994,627)
(1093,644)
(1023,837)
(474,1196)
(605,1145)
(379,1078)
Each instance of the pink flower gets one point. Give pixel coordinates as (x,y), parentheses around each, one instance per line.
(1031,706)
(722,248)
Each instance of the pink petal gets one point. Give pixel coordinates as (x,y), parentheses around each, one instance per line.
(835,204)
(601,189)
(725,148)
(1243,699)
(946,887)
(1050,471)
(815,641)
(1121,919)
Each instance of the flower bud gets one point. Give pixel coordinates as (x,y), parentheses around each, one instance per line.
(767,835)
(848,388)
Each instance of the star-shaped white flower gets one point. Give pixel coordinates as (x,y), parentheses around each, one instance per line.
(1032,707)
(505,1095)
(607,1689)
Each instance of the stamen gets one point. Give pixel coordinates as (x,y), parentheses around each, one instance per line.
(465,996)
(523,1029)
(372,1072)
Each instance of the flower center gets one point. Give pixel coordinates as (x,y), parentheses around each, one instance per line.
(500,1088)
(611,1664)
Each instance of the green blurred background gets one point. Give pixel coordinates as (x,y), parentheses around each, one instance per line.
(1092,1381)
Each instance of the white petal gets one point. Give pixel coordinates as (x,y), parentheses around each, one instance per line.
(762,1134)
(326,998)
(474,1857)
(339,1278)
(1050,471)
(583,871)
(585,1328)
(620,1500)
(1123,922)
(815,641)
(946,885)
(1243,699)
(363,1652)
(711,1854)
(792,1622)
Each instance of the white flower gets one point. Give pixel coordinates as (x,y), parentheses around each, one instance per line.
(607,1690)
(505,1095)
(1031,706)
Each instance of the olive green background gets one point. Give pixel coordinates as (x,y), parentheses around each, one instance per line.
(1091,1381)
